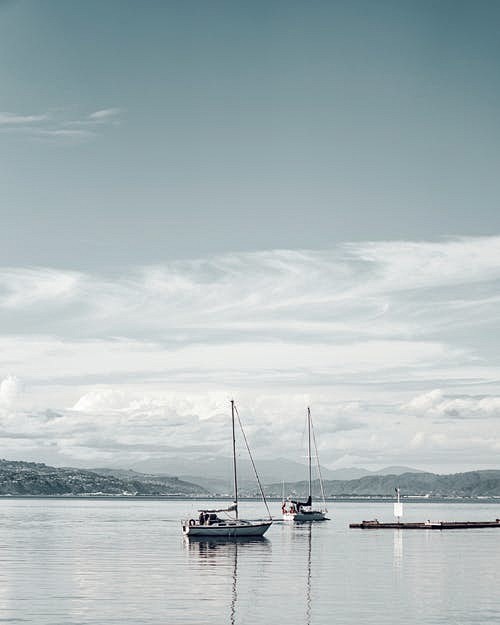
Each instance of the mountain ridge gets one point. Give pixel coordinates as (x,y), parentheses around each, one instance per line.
(215,472)
(481,483)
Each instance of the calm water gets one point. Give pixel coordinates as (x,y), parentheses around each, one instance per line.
(119,561)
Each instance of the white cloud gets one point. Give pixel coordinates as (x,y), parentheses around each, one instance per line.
(112,425)
(9,119)
(10,389)
(425,402)
(105,114)
(436,404)
(101,400)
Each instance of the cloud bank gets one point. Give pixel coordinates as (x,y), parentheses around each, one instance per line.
(366,333)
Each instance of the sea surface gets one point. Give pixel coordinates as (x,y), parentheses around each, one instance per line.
(120,561)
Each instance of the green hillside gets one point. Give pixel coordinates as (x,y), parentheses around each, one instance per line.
(30,478)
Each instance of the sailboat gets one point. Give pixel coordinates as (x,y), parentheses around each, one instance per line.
(209,523)
(303,511)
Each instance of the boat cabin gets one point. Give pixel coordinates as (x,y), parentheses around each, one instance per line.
(292,506)
(209,518)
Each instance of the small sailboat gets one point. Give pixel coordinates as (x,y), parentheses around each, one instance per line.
(303,511)
(225,522)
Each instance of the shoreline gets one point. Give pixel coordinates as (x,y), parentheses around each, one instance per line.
(362,499)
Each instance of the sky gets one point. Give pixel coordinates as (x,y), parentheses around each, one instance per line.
(284,203)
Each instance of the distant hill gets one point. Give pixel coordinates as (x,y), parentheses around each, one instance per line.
(470,484)
(354,473)
(220,468)
(247,483)
(215,473)
(30,478)
(395,471)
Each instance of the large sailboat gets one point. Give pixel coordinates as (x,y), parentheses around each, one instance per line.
(303,511)
(225,522)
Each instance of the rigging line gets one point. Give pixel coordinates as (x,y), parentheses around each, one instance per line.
(253,463)
(318,465)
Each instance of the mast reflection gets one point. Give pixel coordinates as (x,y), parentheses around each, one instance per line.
(308,577)
(398,548)
(302,536)
(224,552)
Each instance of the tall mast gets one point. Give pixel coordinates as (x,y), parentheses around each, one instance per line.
(309,447)
(234,460)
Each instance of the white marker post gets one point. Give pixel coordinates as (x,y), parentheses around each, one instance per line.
(398,507)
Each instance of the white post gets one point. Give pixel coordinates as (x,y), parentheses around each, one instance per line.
(398,507)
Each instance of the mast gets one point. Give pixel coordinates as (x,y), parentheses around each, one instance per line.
(309,448)
(234,460)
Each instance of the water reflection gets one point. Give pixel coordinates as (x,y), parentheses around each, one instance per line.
(224,553)
(398,548)
(300,540)
(223,549)
(234,589)
(85,562)
(308,578)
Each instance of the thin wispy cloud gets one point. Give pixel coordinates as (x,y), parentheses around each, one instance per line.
(402,293)
(98,118)
(105,114)
(55,126)
(11,119)
(62,133)
(23,288)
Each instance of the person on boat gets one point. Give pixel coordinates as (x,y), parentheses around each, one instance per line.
(202,518)
(302,504)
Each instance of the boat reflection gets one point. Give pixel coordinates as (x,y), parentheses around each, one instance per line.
(225,552)
(222,547)
(300,537)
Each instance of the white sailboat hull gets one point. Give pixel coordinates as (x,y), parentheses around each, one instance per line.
(232,529)
(304,516)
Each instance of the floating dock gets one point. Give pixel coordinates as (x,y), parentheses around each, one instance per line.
(426,525)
